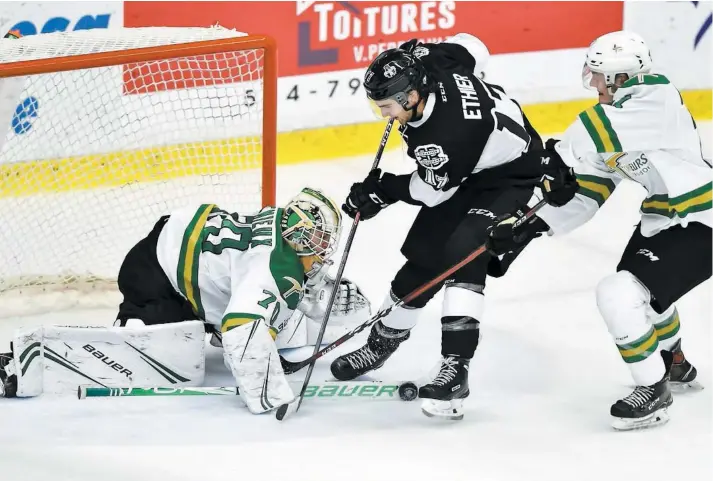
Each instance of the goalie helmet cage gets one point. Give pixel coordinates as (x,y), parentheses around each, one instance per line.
(107,130)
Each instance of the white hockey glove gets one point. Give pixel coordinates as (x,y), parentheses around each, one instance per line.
(350,309)
(348,299)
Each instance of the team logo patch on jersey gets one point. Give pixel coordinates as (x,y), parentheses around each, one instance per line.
(634,168)
(295,289)
(420,51)
(430,156)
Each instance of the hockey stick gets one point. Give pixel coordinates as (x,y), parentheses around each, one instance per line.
(291,367)
(337,391)
(337,279)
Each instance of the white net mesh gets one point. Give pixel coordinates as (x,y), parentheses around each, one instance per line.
(93,157)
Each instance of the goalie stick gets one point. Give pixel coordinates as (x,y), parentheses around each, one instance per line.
(335,391)
(337,279)
(291,367)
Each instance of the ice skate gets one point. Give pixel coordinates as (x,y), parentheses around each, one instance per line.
(443,397)
(682,373)
(646,406)
(381,344)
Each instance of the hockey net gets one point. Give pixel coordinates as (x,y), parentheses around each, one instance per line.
(106,131)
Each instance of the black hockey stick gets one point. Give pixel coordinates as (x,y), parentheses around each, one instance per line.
(290,367)
(282,410)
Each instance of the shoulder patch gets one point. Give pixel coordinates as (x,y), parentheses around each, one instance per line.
(420,51)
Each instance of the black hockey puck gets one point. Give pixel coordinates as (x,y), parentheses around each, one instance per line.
(408,391)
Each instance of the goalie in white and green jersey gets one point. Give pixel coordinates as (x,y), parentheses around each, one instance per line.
(640,131)
(244,275)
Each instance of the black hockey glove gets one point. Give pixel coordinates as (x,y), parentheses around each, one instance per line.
(367,197)
(558,182)
(502,238)
(498,266)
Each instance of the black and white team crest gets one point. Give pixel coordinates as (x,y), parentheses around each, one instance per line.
(391,68)
(430,156)
(420,51)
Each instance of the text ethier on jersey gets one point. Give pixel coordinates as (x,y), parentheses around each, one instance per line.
(469,97)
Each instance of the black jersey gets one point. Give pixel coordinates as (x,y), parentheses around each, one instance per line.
(467,126)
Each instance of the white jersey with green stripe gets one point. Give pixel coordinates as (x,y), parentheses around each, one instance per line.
(232,268)
(648,136)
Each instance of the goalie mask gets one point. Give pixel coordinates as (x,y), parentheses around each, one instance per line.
(311,225)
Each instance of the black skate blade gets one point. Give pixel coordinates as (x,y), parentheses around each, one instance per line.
(656,418)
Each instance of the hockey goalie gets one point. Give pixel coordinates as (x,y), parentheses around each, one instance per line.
(256,282)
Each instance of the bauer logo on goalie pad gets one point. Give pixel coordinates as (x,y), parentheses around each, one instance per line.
(430,156)
(106,360)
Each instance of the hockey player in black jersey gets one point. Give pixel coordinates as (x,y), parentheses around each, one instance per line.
(468,139)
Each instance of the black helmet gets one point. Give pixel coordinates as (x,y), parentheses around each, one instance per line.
(393,74)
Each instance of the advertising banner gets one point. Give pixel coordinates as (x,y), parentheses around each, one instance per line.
(324,47)
(537,50)
(31,18)
(318,37)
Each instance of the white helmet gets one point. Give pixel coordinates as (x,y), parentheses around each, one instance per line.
(311,224)
(616,53)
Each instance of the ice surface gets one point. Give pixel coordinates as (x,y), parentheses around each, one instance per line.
(542,382)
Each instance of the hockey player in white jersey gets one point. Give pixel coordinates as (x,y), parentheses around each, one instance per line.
(243,274)
(640,131)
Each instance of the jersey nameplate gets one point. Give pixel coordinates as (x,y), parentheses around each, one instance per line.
(469,97)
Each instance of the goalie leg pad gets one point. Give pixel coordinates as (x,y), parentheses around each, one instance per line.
(252,355)
(57,359)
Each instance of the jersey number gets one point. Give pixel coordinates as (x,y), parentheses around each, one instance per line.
(503,121)
(231,234)
(265,303)
(236,232)
(436,181)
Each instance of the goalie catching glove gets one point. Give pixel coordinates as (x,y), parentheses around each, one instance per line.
(350,309)
(348,299)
